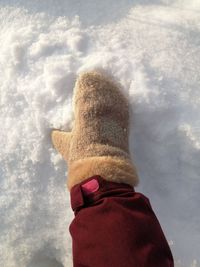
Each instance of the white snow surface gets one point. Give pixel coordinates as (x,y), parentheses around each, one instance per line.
(153,49)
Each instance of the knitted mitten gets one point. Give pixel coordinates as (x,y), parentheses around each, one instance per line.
(98,142)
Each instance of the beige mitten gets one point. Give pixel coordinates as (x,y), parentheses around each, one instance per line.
(98,142)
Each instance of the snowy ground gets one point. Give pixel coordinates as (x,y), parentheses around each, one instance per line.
(153,49)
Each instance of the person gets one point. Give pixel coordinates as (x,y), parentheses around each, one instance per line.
(114,226)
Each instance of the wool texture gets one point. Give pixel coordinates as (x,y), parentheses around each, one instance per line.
(99,141)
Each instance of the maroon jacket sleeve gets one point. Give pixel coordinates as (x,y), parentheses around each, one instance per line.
(115,227)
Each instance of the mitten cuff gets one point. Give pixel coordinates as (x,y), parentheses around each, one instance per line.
(112,169)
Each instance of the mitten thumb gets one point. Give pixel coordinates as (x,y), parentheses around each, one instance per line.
(61,141)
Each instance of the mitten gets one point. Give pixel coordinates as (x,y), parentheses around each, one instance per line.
(99,141)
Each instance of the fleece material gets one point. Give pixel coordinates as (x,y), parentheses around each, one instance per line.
(99,141)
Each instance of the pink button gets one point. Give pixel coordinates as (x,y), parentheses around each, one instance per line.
(90,187)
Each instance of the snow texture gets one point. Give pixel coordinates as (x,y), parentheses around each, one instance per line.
(153,49)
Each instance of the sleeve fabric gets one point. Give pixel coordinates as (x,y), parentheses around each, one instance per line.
(114,226)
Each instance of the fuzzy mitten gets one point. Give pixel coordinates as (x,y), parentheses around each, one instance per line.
(98,142)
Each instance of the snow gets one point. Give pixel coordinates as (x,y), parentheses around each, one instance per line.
(153,49)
